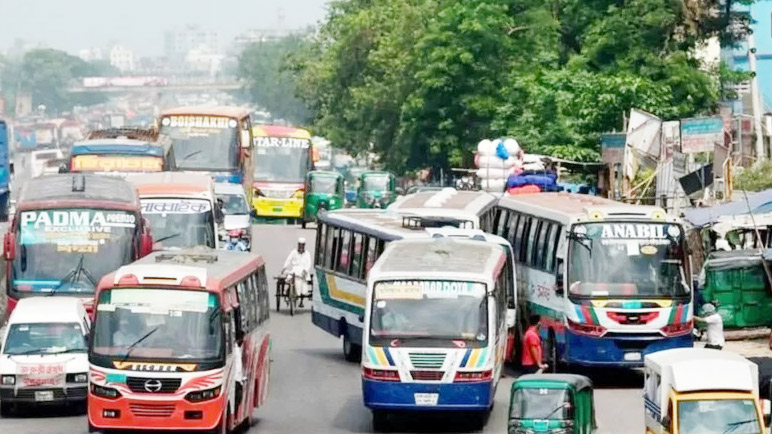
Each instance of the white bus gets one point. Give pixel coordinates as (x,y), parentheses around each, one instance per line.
(463,209)
(609,280)
(435,322)
(348,242)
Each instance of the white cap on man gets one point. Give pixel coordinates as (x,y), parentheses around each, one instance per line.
(301,240)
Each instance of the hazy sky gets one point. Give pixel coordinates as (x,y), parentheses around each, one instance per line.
(140,24)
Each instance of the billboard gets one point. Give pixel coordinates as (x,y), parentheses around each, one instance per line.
(612,147)
(701,134)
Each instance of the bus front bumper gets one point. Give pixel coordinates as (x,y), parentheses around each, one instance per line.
(387,395)
(622,351)
(173,413)
(286,208)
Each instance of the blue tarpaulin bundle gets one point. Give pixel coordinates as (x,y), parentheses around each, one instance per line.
(545,181)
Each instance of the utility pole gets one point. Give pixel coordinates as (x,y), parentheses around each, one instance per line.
(760,154)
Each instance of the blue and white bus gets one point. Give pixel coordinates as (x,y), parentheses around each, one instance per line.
(436,331)
(609,280)
(348,242)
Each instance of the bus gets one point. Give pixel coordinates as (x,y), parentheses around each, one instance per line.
(167,331)
(213,140)
(181,208)
(282,161)
(609,280)
(471,209)
(348,242)
(121,155)
(67,232)
(6,162)
(435,318)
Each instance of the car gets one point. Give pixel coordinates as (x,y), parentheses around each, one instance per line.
(44,355)
(38,160)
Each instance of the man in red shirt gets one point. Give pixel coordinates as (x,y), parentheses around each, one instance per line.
(532,350)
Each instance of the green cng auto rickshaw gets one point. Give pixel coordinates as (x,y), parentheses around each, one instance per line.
(551,403)
(324,190)
(376,190)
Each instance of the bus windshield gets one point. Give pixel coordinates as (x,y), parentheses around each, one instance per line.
(69,250)
(540,403)
(203,142)
(736,416)
(282,160)
(45,338)
(180,223)
(429,313)
(158,324)
(627,260)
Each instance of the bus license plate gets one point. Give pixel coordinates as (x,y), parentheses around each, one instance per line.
(426,398)
(631,357)
(47,395)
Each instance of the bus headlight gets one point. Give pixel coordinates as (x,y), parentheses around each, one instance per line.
(77,378)
(105,392)
(203,395)
(9,380)
(674,330)
(299,194)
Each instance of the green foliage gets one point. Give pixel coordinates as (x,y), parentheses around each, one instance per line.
(46,74)
(263,66)
(424,80)
(755,178)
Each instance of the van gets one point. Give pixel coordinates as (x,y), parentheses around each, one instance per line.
(44,354)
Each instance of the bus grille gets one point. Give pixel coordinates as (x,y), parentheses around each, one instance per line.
(168,385)
(152,410)
(427,375)
(427,360)
(278,194)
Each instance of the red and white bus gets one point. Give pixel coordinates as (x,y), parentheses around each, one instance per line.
(166,341)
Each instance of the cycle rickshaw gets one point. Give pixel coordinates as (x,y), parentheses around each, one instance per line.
(285,289)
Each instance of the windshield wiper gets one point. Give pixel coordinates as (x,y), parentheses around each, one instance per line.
(70,350)
(27,352)
(71,275)
(167,237)
(560,407)
(137,342)
(190,155)
(730,427)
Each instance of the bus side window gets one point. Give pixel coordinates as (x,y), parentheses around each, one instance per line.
(501,221)
(357,256)
(229,327)
(513,221)
(372,246)
(331,248)
(541,248)
(321,238)
(254,300)
(550,248)
(501,298)
(531,243)
(344,255)
(241,313)
(262,287)
(522,237)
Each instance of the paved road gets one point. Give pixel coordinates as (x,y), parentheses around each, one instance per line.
(313,390)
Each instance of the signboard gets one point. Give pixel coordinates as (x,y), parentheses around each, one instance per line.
(612,147)
(417,289)
(701,134)
(102,163)
(671,137)
(41,374)
(209,122)
(69,228)
(281,142)
(175,206)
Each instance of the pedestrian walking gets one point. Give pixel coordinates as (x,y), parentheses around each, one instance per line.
(532,359)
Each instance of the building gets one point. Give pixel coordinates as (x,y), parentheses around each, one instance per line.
(737,58)
(122,58)
(178,43)
(204,60)
(91,54)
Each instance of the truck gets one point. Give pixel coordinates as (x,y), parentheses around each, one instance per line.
(697,390)
(5,169)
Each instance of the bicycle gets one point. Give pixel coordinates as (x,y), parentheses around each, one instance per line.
(285,288)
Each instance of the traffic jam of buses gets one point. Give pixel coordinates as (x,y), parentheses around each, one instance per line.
(138,291)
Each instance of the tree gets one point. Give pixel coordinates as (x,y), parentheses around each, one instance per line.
(263,66)
(425,80)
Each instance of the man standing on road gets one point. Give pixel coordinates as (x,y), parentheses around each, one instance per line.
(715,326)
(532,349)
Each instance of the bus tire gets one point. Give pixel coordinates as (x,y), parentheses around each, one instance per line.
(6,409)
(351,352)
(480,419)
(381,421)
(222,427)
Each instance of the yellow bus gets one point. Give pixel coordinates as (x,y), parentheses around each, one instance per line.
(283,158)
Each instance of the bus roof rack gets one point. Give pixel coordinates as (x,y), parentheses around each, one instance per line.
(182,258)
(422,222)
(124,132)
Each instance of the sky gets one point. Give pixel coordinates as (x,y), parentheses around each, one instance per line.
(72,25)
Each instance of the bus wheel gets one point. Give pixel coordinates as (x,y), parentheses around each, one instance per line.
(381,421)
(351,351)
(6,409)
(480,419)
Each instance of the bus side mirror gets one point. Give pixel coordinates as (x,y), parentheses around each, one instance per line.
(559,289)
(219,215)
(146,244)
(9,246)
(246,139)
(766,406)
